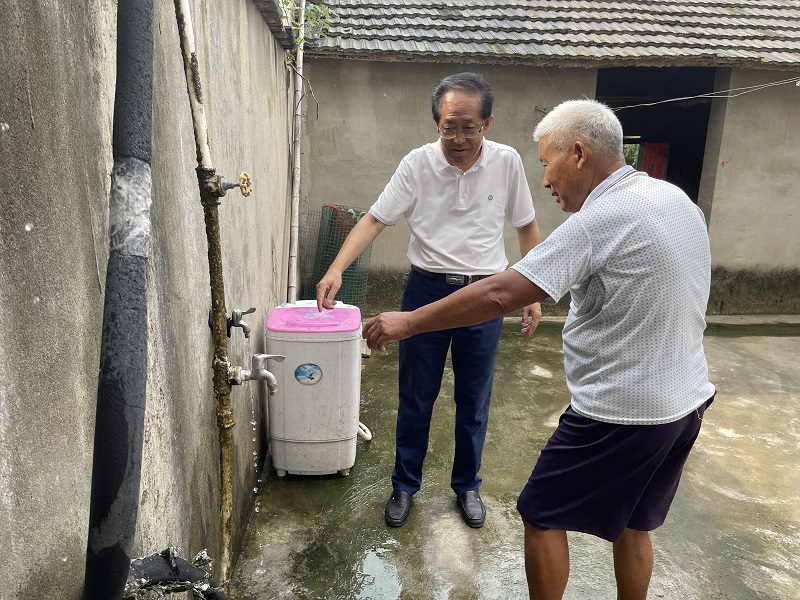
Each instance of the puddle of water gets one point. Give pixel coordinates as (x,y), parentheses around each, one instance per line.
(379,578)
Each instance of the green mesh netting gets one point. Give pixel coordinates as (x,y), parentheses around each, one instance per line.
(335,222)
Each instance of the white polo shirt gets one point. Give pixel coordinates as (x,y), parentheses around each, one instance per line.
(457,218)
(637,264)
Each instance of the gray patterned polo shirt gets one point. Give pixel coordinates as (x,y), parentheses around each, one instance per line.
(637,264)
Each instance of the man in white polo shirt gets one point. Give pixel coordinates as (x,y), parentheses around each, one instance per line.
(456,194)
(635,258)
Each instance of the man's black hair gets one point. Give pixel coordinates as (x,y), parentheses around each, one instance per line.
(466,82)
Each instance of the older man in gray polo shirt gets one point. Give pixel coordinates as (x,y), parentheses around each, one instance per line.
(635,258)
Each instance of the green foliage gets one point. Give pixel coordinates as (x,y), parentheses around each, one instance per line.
(631,152)
(317,22)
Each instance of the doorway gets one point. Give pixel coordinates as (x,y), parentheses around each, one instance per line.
(667,140)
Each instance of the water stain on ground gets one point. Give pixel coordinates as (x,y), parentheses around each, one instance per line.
(733,531)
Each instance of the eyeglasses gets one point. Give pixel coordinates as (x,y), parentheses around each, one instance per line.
(449,133)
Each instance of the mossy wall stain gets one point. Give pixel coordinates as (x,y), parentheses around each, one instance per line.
(743,292)
(748,292)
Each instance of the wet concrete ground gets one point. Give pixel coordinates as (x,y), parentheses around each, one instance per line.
(733,531)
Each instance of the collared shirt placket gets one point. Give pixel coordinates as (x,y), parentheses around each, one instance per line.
(461,192)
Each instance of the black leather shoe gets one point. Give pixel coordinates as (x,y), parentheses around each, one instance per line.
(397,508)
(472,510)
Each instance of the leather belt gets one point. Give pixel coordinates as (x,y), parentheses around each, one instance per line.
(451,278)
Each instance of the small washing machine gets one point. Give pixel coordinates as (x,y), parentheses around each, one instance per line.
(313,419)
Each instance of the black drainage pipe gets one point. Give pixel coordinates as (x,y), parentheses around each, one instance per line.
(121,390)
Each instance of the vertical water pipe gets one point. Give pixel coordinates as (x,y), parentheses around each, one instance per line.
(210,193)
(121,390)
(294,231)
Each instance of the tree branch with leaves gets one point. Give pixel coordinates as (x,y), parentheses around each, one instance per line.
(316,21)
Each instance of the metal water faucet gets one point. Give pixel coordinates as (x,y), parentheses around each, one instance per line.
(257,372)
(236,320)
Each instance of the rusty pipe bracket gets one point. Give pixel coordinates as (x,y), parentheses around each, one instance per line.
(235,376)
(210,186)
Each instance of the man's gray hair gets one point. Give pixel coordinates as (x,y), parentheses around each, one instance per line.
(589,121)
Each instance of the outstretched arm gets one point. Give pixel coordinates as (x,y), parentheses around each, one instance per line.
(529,236)
(476,303)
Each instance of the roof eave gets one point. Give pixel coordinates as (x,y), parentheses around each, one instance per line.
(276,18)
(549,61)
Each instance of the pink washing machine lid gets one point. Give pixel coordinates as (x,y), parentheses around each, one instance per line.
(303,317)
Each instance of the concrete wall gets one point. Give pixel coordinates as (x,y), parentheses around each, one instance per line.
(750,192)
(371,114)
(56,112)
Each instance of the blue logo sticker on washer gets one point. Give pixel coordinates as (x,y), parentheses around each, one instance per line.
(308,374)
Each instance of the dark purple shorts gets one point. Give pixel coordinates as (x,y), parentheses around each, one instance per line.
(600,478)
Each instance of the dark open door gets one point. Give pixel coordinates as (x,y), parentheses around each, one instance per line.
(653,159)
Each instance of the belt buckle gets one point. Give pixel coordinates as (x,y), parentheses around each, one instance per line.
(454,279)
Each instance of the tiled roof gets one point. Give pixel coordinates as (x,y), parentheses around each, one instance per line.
(756,33)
